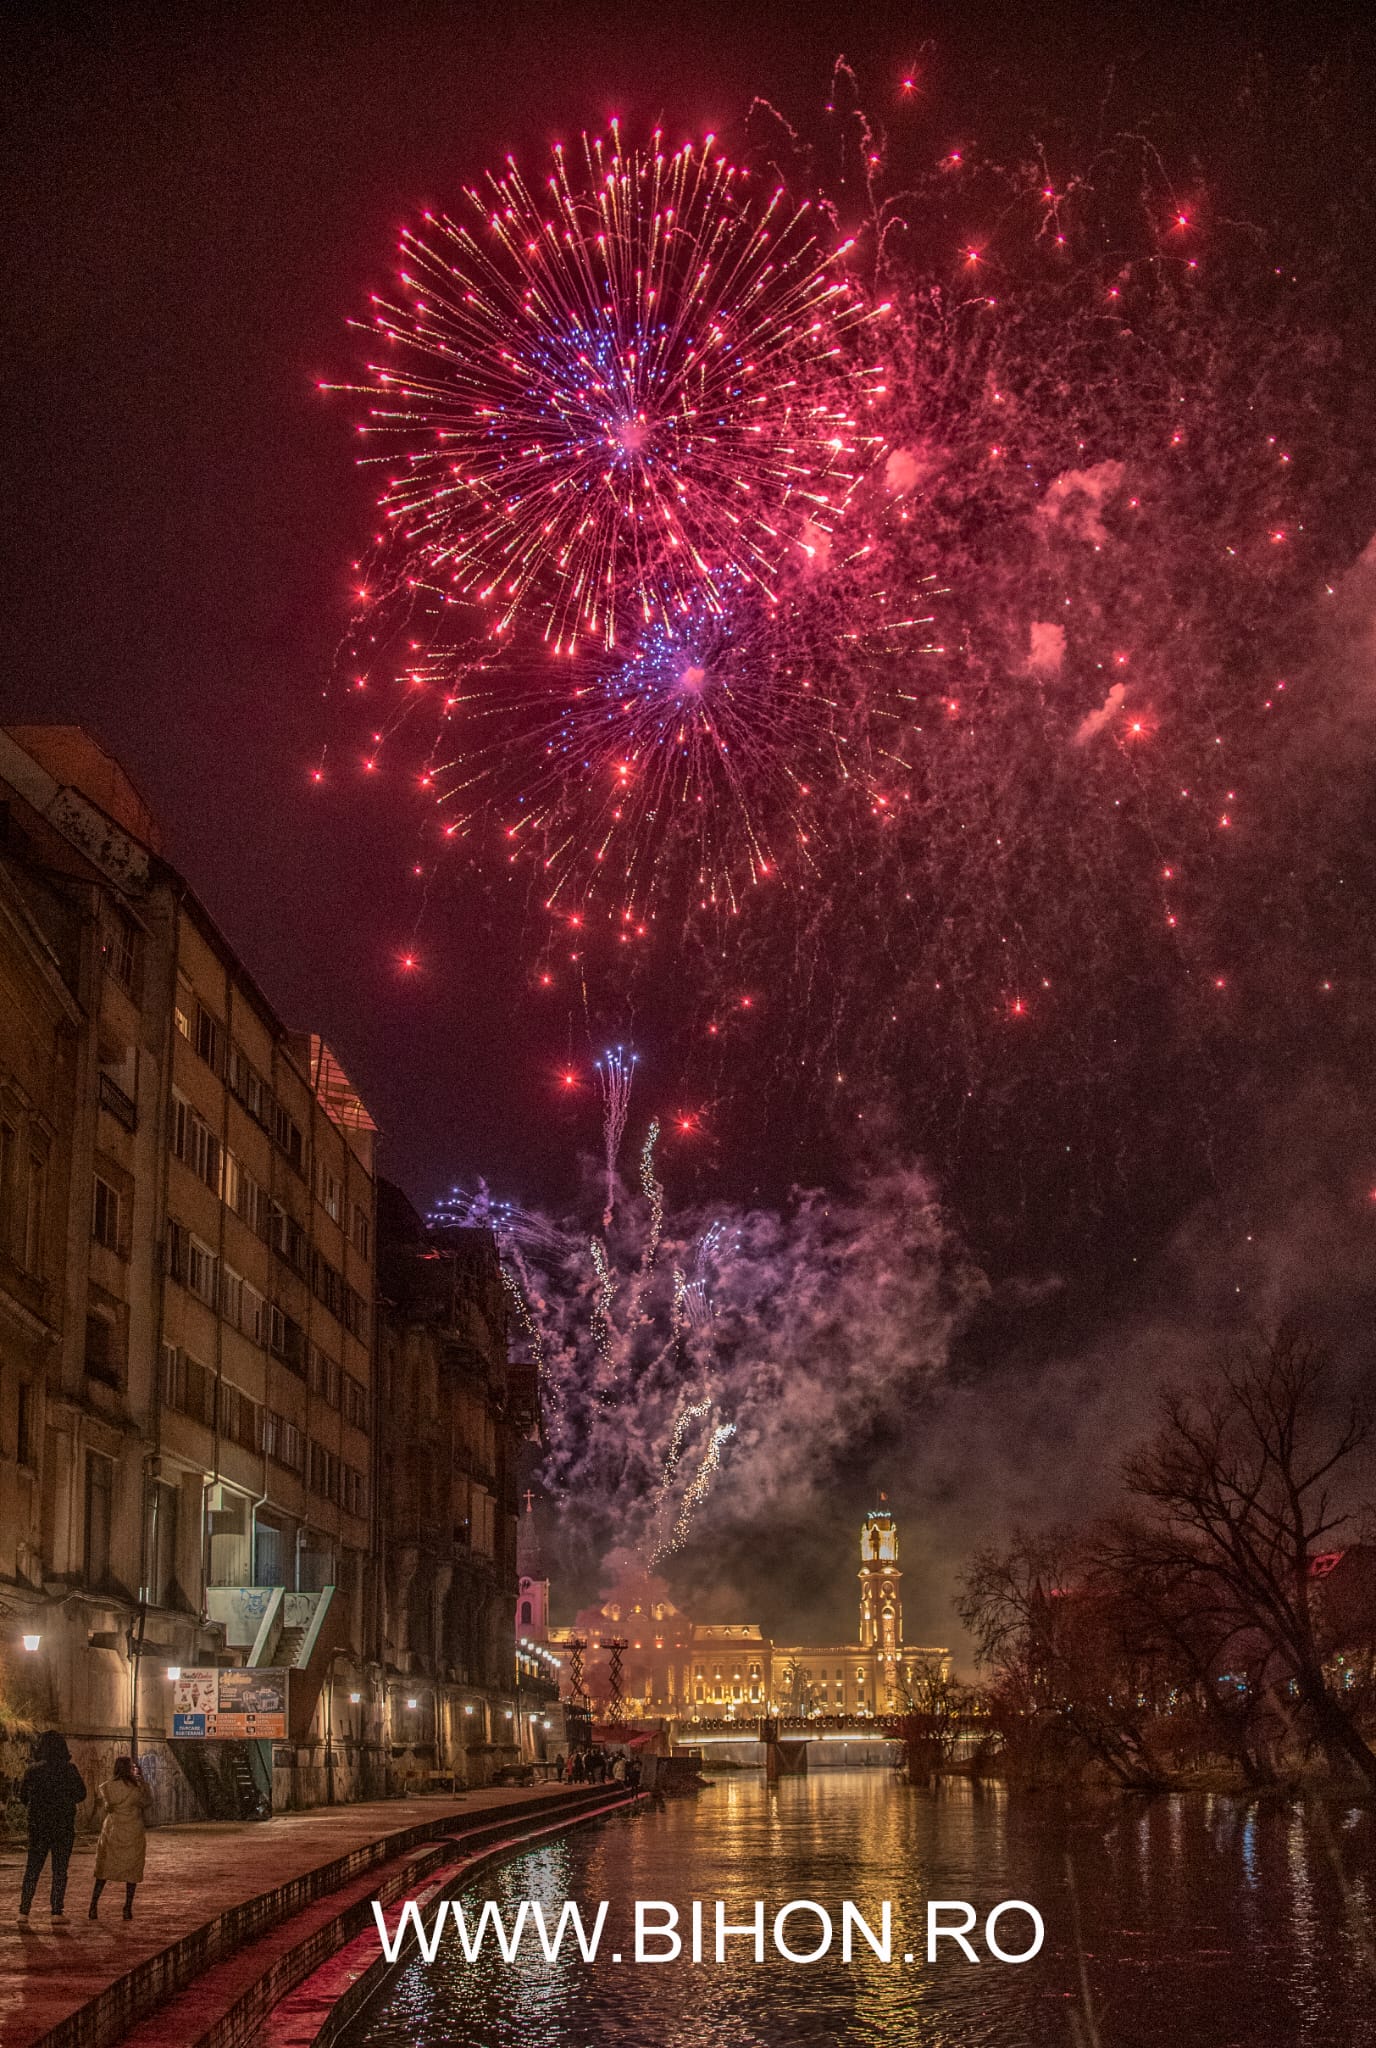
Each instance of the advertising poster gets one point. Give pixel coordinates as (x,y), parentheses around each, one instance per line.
(688,1024)
(230,1704)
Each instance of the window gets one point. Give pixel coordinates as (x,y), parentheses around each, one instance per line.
(201,1269)
(287,1340)
(100,1493)
(231,1295)
(330,1192)
(269,1554)
(286,1135)
(238,1417)
(324,1376)
(314,1564)
(195,1144)
(25,1435)
(328,1285)
(121,948)
(209,1038)
(104,1342)
(253,1314)
(187,1386)
(287,1238)
(322,1470)
(246,1084)
(525,1614)
(161,1546)
(244,1196)
(35,1203)
(360,1230)
(355,1316)
(105,1216)
(356,1499)
(183,1007)
(9,1155)
(355,1402)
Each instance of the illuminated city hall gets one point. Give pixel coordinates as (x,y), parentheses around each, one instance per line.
(673,1667)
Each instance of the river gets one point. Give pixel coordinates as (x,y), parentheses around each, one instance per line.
(1189,1921)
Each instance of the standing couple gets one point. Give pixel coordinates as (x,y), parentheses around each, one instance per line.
(52,1789)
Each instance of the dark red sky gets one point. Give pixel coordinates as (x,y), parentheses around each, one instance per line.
(194,205)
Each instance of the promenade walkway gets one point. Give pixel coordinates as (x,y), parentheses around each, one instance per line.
(232,1914)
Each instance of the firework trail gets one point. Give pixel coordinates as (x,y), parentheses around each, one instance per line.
(694,1411)
(697,1490)
(615,1073)
(509,1223)
(653,1189)
(600,1318)
(596,398)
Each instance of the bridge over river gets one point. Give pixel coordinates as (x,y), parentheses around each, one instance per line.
(804,1742)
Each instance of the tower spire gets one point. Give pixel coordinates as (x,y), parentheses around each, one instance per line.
(881,1607)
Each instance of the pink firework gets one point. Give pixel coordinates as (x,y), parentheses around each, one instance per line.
(601,396)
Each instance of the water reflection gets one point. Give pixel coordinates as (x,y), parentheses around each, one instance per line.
(1201,1921)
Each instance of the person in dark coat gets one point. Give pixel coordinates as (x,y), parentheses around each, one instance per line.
(52,1789)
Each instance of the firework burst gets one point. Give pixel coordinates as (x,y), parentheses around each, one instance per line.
(717,754)
(597,397)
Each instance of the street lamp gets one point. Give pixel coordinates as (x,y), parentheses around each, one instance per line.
(174,1672)
(31,1643)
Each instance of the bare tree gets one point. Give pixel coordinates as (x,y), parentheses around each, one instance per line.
(936,1711)
(1238,1486)
(1063,1669)
(1211,1663)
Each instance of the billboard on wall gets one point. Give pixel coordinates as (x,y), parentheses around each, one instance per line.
(242,1703)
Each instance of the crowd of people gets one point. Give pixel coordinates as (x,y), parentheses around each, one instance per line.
(600,1767)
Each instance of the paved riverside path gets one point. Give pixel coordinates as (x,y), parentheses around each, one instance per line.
(196,1872)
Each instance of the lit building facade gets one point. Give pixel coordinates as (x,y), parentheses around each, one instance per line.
(187,1401)
(456,1410)
(673,1667)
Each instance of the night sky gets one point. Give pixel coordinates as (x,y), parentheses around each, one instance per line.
(195,204)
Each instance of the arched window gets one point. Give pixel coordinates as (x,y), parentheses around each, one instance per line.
(525,1614)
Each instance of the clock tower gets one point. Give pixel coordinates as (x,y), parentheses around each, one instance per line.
(881,1609)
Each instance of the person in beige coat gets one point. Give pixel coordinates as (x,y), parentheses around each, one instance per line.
(120,1851)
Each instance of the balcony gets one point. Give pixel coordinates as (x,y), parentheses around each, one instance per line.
(121,1108)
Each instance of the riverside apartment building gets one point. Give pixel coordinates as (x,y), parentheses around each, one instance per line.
(187,1301)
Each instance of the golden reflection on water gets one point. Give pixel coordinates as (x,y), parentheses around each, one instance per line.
(1204,1923)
